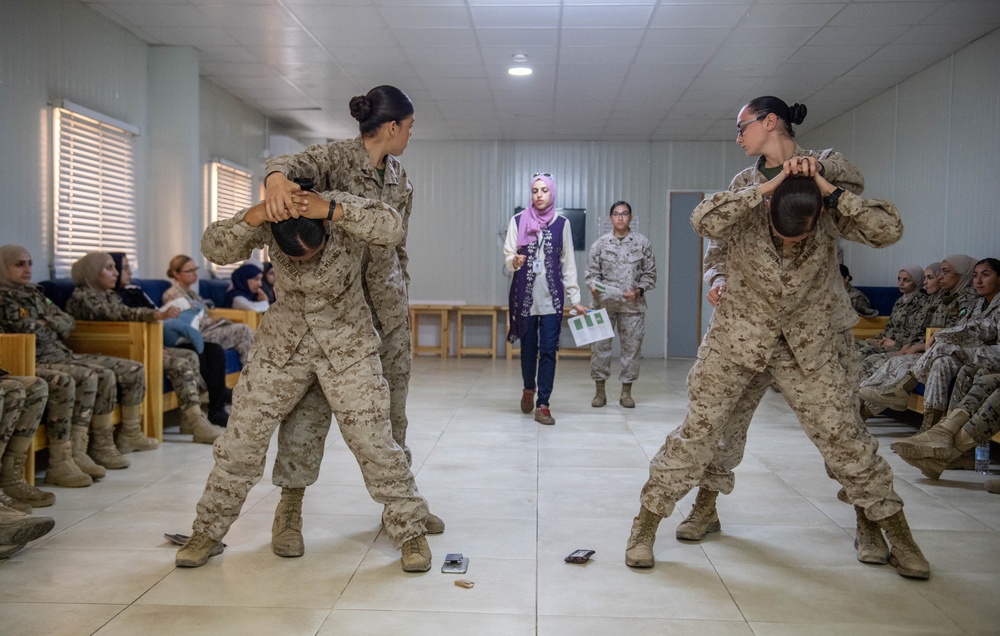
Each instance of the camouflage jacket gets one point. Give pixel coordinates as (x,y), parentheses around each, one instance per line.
(977,325)
(89,304)
(345,166)
(775,292)
(860,303)
(838,171)
(907,321)
(322,294)
(948,309)
(27,310)
(625,263)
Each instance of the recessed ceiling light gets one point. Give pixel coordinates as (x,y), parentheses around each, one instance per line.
(519,71)
(520,58)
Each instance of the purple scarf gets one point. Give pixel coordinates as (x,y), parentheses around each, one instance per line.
(534,221)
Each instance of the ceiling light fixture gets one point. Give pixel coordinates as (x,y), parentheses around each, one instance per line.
(519,70)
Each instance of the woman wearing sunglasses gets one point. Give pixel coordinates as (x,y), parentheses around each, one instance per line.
(539,250)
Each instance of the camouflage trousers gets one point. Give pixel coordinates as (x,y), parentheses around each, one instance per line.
(630,327)
(23,400)
(825,403)
(72,392)
(873,356)
(358,397)
(731,445)
(183,369)
(895,370)
(231,335)
(977,392)
(302,434)
(114,376)
(937,369)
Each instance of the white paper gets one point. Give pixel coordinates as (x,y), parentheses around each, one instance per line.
(591,327)
(607,290)
(180,302)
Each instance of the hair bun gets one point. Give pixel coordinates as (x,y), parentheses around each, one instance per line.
(797,113)
(361,108)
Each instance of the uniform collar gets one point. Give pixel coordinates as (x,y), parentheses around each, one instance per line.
(392,166)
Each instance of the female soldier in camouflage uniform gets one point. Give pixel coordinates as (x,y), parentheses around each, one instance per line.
(95,298)
(905,325)
(23,402)
(24,309)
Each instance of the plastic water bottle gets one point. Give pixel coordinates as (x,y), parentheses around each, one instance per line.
(983,457)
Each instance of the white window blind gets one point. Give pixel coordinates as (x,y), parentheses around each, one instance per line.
(94,164)
(232,190)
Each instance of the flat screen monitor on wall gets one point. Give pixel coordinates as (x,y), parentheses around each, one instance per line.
(577,222)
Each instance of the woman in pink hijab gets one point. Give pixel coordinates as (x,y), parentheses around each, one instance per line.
(539,251)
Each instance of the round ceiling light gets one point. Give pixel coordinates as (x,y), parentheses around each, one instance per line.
(519,71)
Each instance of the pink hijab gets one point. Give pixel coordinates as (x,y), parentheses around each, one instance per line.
(534,221)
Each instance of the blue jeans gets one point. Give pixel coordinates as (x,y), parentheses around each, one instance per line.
(538,352)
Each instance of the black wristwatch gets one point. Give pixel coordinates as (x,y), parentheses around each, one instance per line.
(642,292)
(333,207)
(833,198)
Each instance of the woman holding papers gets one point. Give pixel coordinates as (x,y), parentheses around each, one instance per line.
(539,250)
(620,270)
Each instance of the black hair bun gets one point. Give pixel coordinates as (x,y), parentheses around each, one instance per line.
(797,113)
(361,108)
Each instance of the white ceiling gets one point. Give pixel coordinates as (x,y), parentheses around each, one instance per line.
(627,70)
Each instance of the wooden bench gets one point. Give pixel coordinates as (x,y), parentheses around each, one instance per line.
(443,313)
(485,311)
(869,327)
(245,316)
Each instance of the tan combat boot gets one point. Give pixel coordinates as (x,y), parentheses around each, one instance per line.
(286,531)
(868,540)
(931,417)
(937,442)
(130,435)
(639,550)
(626,397)
(12,475)
(704,518)
(62,470)
(433,524)
(102,443)
(18,528)
(80,436)
(197,550)
(202,431)
(600,397)
(905,555)
(416,555)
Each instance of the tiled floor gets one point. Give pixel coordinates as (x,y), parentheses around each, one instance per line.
(517,498)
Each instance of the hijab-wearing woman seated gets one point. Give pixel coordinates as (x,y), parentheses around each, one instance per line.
(247,291)
(905,325)
(95,298)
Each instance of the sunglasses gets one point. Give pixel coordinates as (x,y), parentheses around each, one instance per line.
(541,174)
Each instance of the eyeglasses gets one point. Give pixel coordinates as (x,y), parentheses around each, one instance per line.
(189,271)
(741,126)
(541,174)
(621,214)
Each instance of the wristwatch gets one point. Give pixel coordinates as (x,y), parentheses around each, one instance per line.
(333,207)
(642,292)
(831,199)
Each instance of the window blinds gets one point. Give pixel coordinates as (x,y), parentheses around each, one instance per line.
(94,163)
(232,190)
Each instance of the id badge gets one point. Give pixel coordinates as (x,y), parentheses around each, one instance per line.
(536,267)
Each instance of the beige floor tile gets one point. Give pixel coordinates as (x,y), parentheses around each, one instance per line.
(593,458)
(781,546)
(55,619)
(217,621)
(599,626)
(257,579)
(850,629)
(969,599)
(425,623)
(502,586)
(322,534)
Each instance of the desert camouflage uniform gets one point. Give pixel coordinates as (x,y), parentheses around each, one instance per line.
(23,402)
(776,316)
(945,312)
(226,334)
(27,310)
(627,264)
(731,445)
(72,392)
(977,392)
(345,166)
(180,365)
(953,347)
(320,330)
(906,325)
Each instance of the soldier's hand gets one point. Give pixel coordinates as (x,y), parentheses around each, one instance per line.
(278,204)
(169,312)
(310,205)
(802,166)
(715,294)
(632,294)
